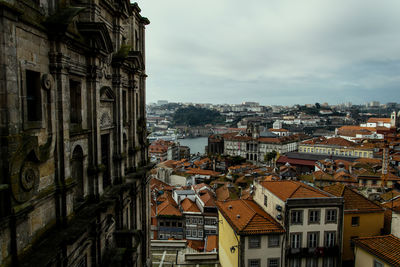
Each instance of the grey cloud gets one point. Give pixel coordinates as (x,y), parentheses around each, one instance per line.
(276,51)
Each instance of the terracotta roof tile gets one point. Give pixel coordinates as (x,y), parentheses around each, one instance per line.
(293,189)
(189,206)
(202,172)
(207,197)
(246,217)
(376,120)
(353,201)
(222,193)
(285,159)
(386,248)
(196,244)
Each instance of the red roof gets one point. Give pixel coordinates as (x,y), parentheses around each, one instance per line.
(246,217)
(353,201)
(305,162)
(189,206)
(293,189)
(385,247)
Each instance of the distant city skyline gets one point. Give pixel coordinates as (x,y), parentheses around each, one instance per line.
(370,103)
(273,52)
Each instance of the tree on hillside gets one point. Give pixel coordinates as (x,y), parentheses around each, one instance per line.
(195,116)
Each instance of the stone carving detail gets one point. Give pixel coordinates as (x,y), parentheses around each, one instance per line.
(105,120)
(28,182)
(47,81)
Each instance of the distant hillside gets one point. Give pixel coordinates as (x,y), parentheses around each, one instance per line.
(194,116)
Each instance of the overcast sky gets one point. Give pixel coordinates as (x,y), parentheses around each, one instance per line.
(278,52)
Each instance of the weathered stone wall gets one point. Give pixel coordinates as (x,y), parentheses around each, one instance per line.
(101,50)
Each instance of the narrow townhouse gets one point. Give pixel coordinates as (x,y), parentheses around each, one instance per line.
(362,218)
(248,236)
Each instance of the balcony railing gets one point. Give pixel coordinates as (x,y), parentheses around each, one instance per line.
(312,252)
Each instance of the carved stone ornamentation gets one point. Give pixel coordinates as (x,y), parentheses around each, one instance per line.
(47,81)
(25,185)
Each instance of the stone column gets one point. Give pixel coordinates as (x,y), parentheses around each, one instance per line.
(59,68)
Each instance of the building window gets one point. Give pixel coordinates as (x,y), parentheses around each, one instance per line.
(378,263)
(273,241)
(179,224)
(312,239)
(161,223)
(254,241)
(173,224)
(33,96)
(254,263)
(187,220)
(312,262)
(194,233)
(265,201)
(330,239)
(295,240)
(201,233)
(200,220)
(75,101)
(313,216)
(331,216)
(167,224)
(188,233)
(296,216)
(355,221)
(273,262)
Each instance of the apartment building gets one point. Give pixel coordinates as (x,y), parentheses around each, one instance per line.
(337,146)
(312,219)
(362,218)
(248,236)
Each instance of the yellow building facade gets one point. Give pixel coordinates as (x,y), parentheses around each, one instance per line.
(227,238)
(377,251)
(369,224)
(364,258)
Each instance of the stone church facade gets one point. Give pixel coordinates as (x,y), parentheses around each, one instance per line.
(74,150)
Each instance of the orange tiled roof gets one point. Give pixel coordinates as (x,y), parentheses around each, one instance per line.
(293,189)
(368,161)
(334,141)
(159,185)
(384,247)
(353,201)
(168,209)
(202,172)
(211,243)
(200,186)
(189,206)
(222,193)
(207,197)
(278,130)
(246,217)
(196,244)
(376,120)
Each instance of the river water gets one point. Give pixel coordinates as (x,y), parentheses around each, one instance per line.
(196,145)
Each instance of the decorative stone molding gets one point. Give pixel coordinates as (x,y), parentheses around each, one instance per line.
(47,81)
